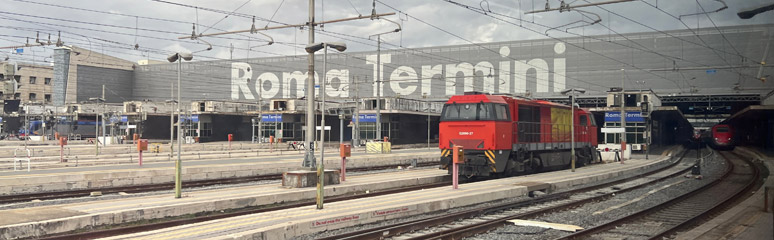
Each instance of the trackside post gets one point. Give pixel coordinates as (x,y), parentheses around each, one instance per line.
(62,143)
(345,150)
(142,145)
(458,156)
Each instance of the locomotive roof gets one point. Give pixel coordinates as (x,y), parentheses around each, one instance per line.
(476,98)
(500,99)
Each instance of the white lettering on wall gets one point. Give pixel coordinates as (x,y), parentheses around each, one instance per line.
(428,72)
(451,77)
(487,76)
(343,77)
(559,68)
(371,59)
(504,76)
(239,80)
(272,91)
(403,76)
(487,71)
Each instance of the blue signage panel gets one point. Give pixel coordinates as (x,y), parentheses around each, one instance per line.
(630,117)
(712,71)
(367,118)
(20,50)
(271,118)
(192,118)
(124,118)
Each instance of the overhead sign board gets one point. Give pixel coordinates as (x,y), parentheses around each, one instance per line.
(271,118)
(192,118)
(630,117)
(124,118)
(371,118)
(613,130)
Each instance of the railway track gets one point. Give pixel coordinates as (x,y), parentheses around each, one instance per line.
(471,222)
(167,186)
(669,217)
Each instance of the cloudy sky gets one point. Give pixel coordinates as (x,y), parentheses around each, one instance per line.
(115,27)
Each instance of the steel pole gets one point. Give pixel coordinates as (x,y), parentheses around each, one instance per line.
(171,119)
(321,167)
(102,116)
(623,116)
(260,112)
(309,160)
(379,89)
(178,163)
(572,128)
(96,133)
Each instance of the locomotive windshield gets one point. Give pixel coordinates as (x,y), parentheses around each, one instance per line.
(721,129)
(475,111)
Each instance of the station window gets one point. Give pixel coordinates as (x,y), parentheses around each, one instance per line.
(280,105)
(47,97)
(288,130)
(206,130)
(33,96)
(47,81)
(33,79)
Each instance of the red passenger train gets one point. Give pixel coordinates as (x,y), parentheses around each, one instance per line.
(503,136)
(722,137)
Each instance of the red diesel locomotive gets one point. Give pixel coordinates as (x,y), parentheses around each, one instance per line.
(504,136)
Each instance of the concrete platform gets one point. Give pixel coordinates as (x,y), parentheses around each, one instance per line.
(126,175)
(37,221)
(308,178)
(746,220)
(296,222)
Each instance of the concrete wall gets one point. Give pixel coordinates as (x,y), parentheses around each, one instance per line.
(118,83)
(541,67)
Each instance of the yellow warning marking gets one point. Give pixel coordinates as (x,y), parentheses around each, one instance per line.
(557,226)
(638,198)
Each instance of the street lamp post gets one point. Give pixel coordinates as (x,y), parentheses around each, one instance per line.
(179,57)
(572,92)
(311,48)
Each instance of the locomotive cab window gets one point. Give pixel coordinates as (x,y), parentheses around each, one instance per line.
(721,129)
(584,121)
(475,111)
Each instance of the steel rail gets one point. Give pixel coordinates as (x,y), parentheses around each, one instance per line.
(663,206)
(468,230)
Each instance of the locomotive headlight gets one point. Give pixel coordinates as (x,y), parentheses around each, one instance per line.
(729,139)
(716,139)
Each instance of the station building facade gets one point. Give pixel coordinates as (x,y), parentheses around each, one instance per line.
(708,61)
